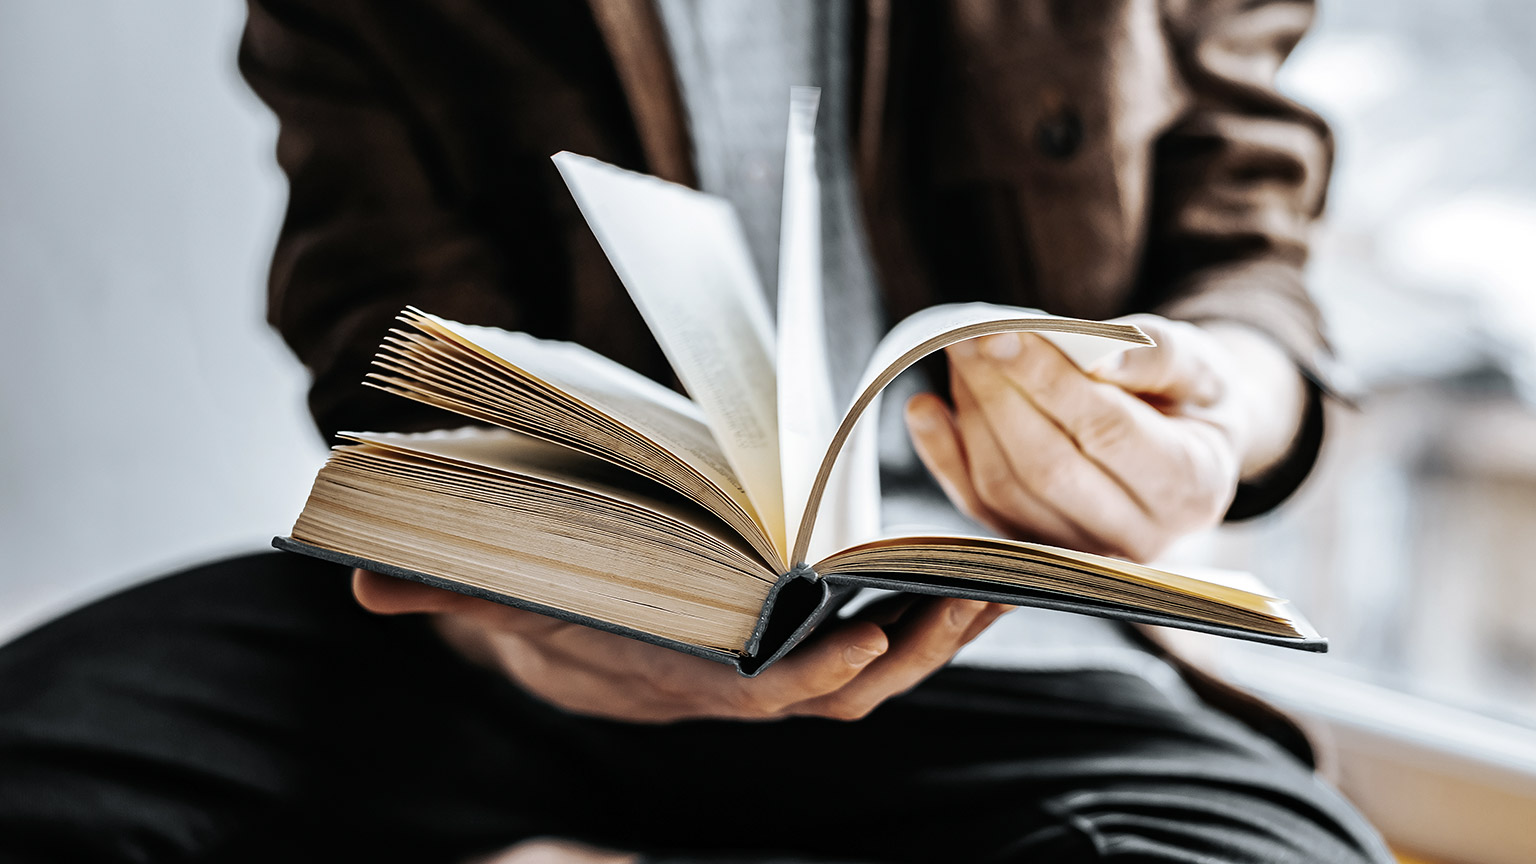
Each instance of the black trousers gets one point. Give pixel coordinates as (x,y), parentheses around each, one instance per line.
(250,711)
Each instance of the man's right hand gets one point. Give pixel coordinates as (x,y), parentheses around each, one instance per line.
(847,669)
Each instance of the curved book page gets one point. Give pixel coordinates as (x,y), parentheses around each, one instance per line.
(927,331)
(684,260)
(1238,602)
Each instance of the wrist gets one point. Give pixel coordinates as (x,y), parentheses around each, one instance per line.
(1271,396)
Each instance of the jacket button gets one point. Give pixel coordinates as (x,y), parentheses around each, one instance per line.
(1060,135)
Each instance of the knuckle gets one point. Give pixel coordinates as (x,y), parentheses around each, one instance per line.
(1052,389)
(1104,430)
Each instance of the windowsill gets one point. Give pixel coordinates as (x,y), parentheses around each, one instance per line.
(1438,781)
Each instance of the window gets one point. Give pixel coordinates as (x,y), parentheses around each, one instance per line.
(1413,547)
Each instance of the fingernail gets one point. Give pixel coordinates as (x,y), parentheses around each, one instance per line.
(964,612)
(922,419)
(1003,346)
(860,655)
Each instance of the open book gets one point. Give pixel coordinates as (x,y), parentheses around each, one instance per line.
(728,524)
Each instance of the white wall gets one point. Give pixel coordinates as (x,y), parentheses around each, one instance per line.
(148,417)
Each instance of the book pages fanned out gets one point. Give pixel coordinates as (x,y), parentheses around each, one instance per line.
(570,395)
(728,525)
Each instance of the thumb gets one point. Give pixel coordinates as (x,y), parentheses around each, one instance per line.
(386,595)
(1179,369)
(936,438)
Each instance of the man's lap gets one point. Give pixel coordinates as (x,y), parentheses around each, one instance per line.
(250,709)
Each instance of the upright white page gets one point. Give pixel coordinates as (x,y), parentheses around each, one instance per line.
(684,260)
(808,415)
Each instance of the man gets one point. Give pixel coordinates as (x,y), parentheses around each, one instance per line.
(1091,159)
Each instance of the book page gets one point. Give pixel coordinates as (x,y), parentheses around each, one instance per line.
(683,258)
(977,559)
(502,451)
(485,510)
(666,417)
(578,398)
(807,410)
(937,327)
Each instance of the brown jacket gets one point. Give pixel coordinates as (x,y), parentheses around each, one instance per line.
(1089,157)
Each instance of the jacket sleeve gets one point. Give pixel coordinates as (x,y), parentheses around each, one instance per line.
(369,228)
(1239,183)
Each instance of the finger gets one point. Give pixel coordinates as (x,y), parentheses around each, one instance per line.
(1117,432)
(545,851)
(814,670)
(936,438)
(920,644)
(386,595)
(1047,467)
(886,610)
(899,605)
(889,610)
(984,620)
(992,475)
(1102,419)
(1013,485)
(603,674)
(1176,468)
(1173,371)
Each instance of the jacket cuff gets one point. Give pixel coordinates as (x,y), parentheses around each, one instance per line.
(1270,297)
(1266,492)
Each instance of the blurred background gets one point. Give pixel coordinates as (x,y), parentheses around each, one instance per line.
(151,420)
(1415,545)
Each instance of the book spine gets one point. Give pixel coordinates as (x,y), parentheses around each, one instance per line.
(797,603)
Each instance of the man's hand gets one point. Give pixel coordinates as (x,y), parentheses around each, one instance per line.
(1120,460)
(843,672)
(545,850)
